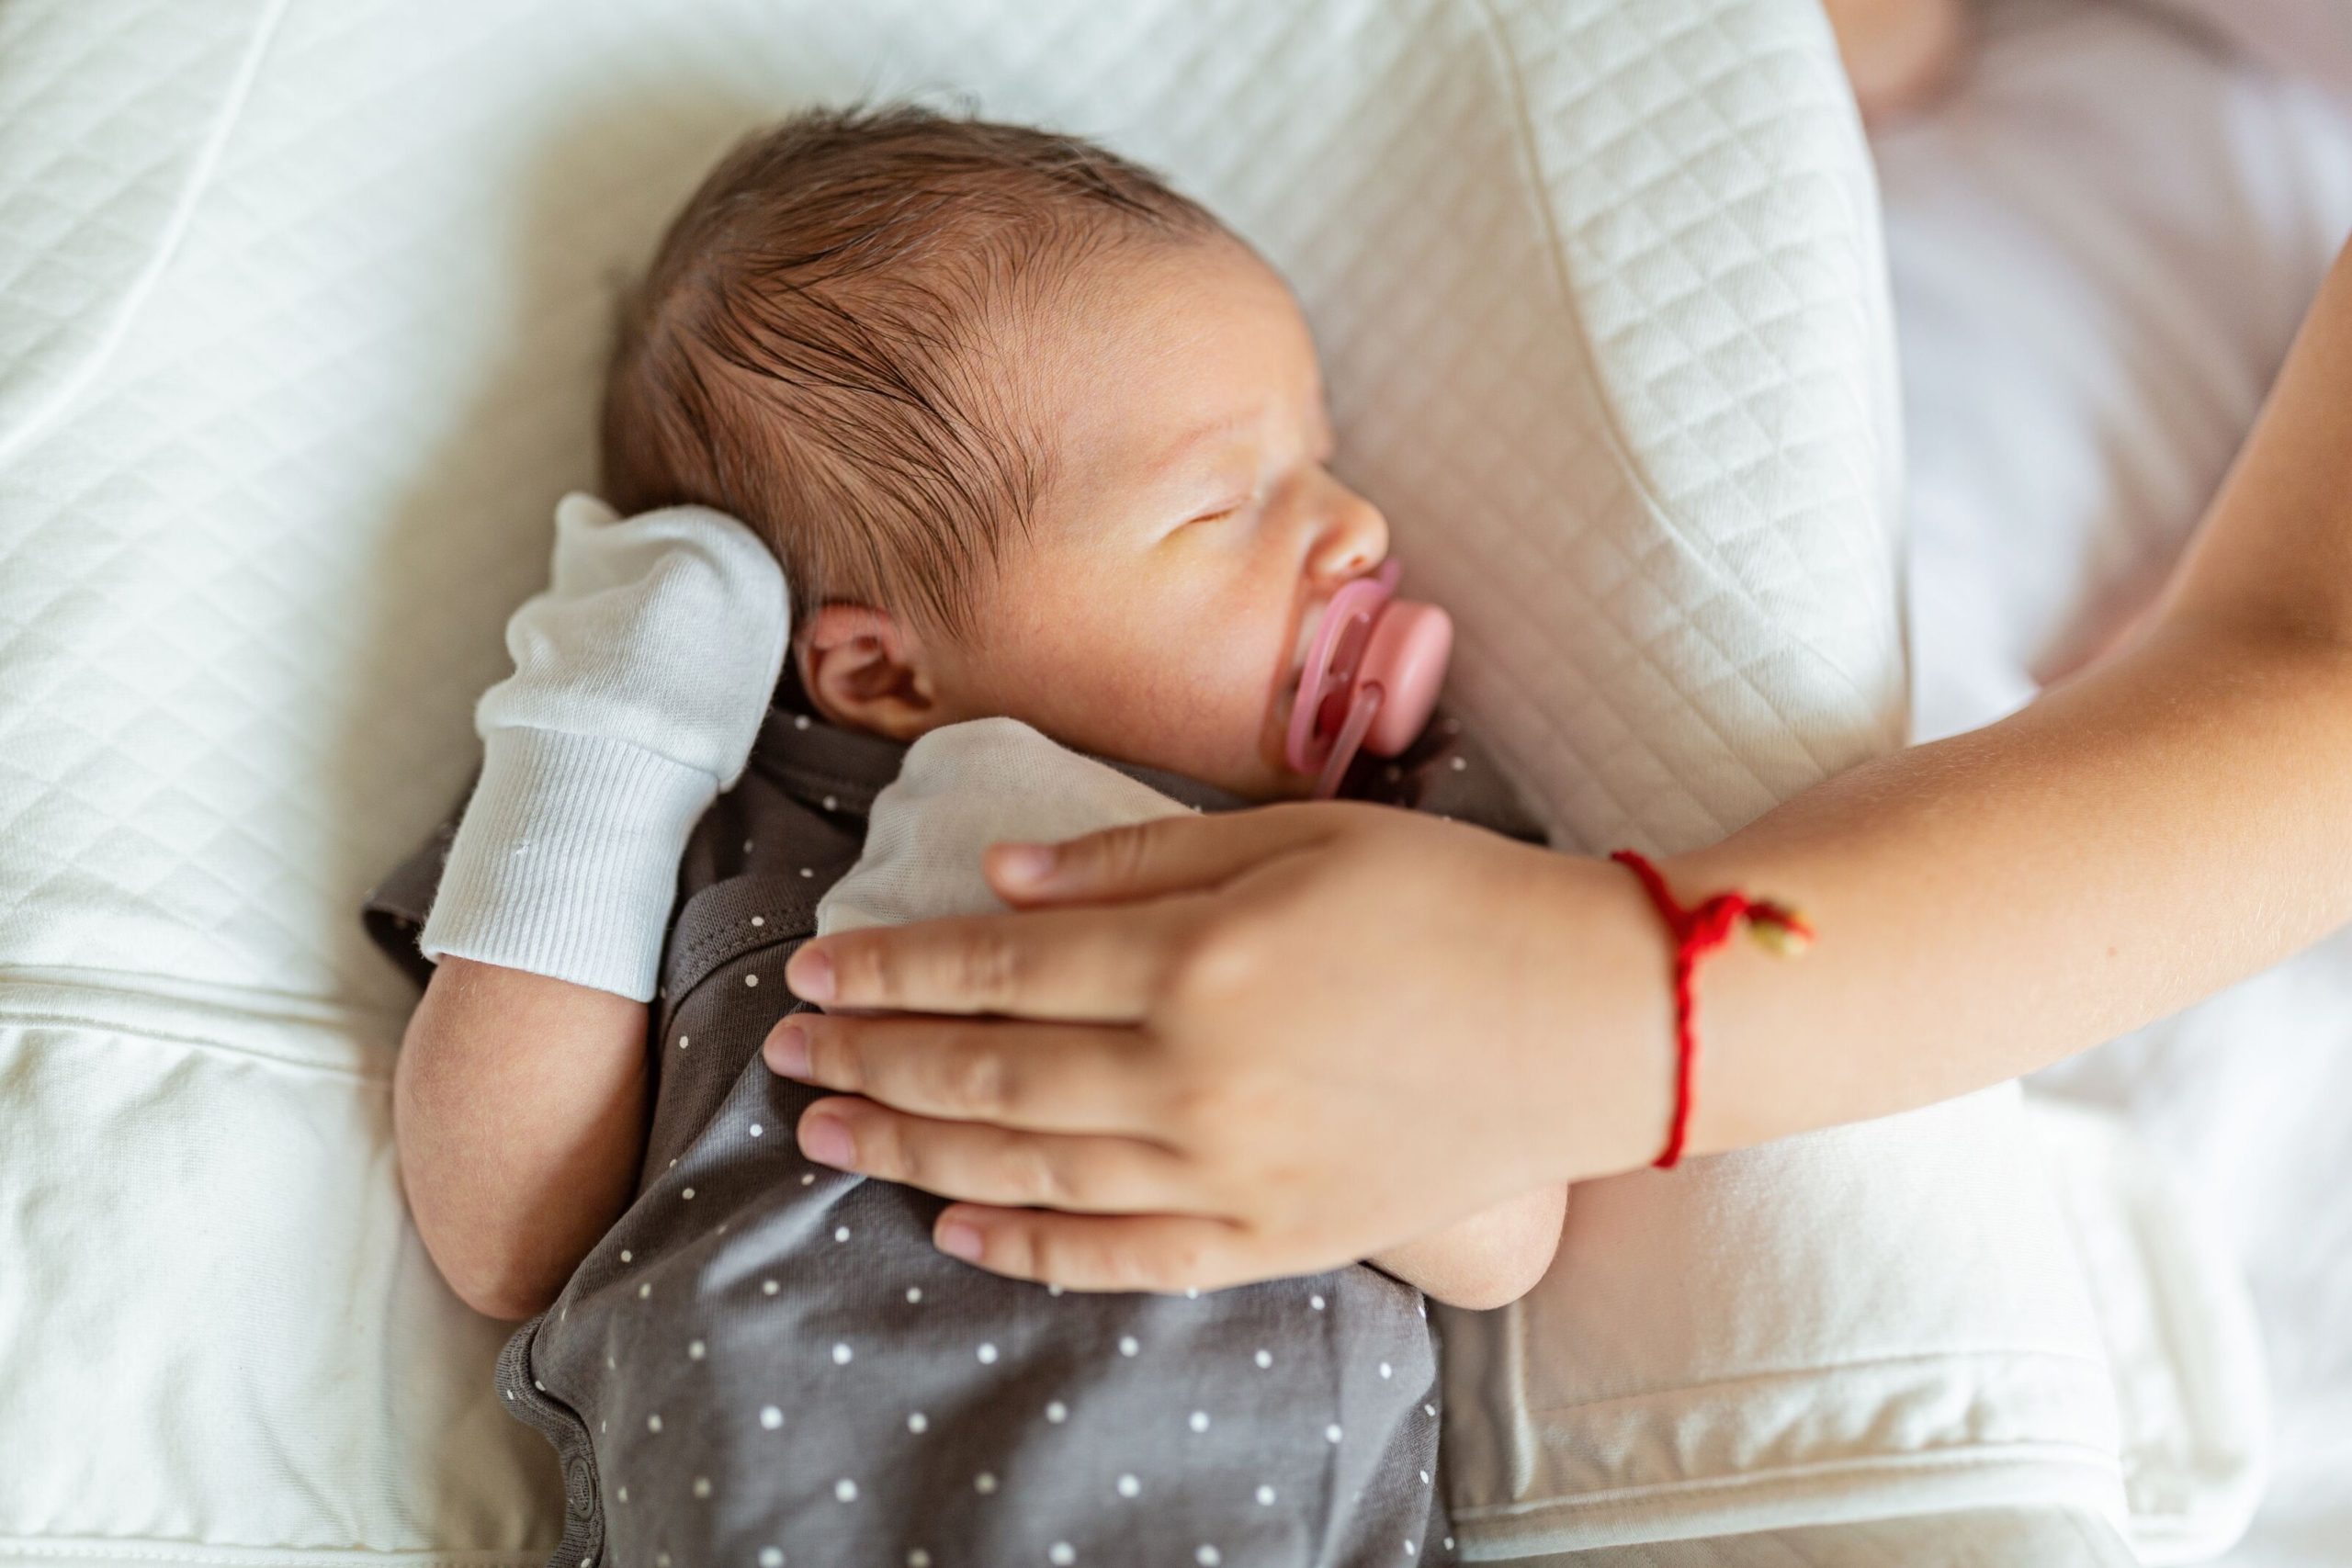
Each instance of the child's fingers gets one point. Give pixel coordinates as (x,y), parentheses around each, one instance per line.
(1181,854)
(988,1165)
(1092,1252)
(1093,965)
(1041,1077)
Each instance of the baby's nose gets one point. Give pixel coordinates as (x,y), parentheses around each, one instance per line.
(1355,538)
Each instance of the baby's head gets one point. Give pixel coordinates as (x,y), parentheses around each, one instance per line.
(1032,435)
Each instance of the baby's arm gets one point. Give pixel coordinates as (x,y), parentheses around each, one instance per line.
(641,675)
(1490,1259)
(519,1104)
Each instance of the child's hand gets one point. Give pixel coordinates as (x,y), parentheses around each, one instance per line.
(1259,1042)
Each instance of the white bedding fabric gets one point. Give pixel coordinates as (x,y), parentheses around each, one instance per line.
(2100,251)
(304,304)
(301,312)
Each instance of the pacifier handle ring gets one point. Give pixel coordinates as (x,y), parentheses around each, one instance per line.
(1363,597)
(1361,714)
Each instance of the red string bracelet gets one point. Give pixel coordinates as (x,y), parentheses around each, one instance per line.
(1698,932)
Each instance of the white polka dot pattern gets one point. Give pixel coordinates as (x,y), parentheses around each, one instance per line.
(1217,1374)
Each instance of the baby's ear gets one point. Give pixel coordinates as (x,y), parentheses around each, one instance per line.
(865,670)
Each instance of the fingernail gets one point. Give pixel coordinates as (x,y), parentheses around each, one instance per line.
(827,1141)
(810,976)
(787,1053)
(1026,865)
(961,1241)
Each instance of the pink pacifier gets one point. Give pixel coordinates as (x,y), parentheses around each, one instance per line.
(1371,679)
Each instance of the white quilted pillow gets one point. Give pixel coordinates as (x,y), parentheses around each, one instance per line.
(303,307)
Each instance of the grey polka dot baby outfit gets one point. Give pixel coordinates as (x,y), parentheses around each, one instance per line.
(767,1363)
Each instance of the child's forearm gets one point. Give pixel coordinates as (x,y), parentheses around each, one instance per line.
(519,1107)
(1490,1259)
(2166,824)
(2163,823)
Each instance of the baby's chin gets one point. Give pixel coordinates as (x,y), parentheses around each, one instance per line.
(1259,776)
(1260,779)
(1266,786)
(1203,750)
(1270,777)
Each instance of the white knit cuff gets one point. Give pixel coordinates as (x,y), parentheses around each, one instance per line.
(566,862)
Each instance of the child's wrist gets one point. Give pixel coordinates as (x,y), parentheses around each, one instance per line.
(1605,996)
(566,862)
(1694,931)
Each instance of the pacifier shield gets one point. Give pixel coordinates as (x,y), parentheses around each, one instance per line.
(1371,679)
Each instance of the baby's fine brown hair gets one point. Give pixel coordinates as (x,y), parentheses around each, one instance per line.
(818,346)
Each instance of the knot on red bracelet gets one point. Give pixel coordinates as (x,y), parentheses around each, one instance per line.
(1697,931)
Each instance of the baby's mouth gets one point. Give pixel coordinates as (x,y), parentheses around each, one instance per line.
(1377,661)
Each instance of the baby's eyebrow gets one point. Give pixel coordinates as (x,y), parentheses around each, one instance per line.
(1173,456)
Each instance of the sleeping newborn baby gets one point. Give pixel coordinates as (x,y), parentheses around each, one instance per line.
(1040,451)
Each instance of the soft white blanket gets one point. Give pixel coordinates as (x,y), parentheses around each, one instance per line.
(2100,249)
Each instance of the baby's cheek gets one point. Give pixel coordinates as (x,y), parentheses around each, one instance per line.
(1213,733)
(1199,717)
(1248,741)
(1195,693)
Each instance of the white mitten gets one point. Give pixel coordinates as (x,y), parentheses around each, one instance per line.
(641,678)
